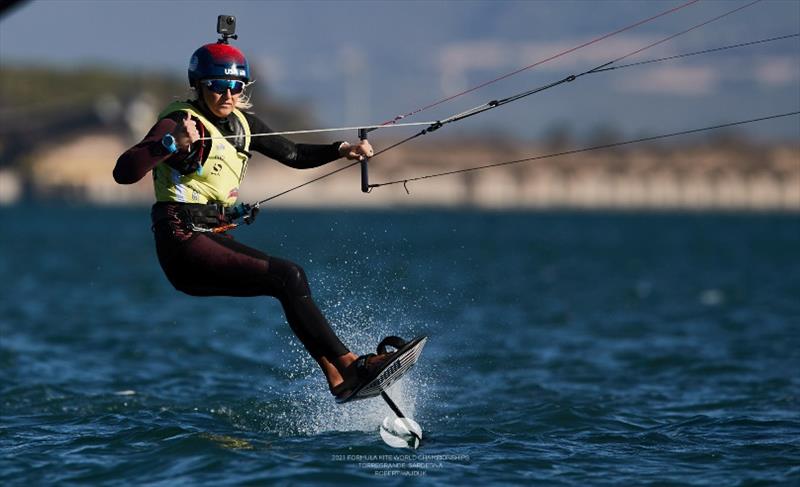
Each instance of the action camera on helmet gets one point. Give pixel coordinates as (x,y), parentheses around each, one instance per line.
(226,27)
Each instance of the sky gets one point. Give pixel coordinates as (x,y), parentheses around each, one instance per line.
(364,62)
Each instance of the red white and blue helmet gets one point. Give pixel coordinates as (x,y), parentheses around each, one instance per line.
(218,61)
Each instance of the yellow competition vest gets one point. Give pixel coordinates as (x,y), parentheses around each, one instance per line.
(217,180)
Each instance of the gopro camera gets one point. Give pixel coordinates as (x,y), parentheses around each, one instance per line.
(226,25)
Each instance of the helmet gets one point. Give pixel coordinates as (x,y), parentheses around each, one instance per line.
(218,61)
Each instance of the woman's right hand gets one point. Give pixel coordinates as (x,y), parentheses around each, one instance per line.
(185,133)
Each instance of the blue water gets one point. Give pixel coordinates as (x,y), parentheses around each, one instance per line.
(566,349)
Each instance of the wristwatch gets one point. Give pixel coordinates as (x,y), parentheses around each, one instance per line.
(168,141)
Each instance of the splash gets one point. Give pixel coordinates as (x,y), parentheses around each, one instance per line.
(363,307)
(314,411)
(308,408)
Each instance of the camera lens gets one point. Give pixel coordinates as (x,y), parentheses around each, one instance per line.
(229,20)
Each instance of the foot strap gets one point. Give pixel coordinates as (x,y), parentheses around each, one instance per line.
(361,362)
(395,342)
(361,366)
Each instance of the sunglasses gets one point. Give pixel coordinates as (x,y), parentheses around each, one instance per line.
(222,85)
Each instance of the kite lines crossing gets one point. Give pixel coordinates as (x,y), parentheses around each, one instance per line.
(613,65)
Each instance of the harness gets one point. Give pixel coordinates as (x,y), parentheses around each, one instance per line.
(208,218)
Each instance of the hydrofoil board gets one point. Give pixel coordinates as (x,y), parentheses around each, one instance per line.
(393,370)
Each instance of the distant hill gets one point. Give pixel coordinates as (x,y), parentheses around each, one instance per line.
(46,105)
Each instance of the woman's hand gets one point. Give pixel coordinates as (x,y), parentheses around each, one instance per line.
(185,133)
(359,152)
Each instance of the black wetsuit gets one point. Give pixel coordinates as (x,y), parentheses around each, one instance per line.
(208,264)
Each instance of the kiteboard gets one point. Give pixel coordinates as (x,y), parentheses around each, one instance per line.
(393,370)
(399,432)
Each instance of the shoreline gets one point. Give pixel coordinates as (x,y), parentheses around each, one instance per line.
(697,177)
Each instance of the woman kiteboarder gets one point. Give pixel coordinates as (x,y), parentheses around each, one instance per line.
(197,184)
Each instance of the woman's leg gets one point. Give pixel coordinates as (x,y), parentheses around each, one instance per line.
(214,265)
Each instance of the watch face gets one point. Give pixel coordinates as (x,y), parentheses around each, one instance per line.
(168,141)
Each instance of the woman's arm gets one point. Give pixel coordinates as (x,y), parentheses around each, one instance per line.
(147,154)
(283,150)
(137,161)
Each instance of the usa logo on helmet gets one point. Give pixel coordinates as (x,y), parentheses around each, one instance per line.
(234,71)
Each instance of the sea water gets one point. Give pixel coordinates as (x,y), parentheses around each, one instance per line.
(565,349)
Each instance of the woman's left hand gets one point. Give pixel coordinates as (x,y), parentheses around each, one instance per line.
(359,152)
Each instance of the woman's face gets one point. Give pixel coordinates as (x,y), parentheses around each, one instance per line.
(220,104)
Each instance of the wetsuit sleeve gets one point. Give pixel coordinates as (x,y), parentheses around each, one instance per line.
(137,161)
(283,150)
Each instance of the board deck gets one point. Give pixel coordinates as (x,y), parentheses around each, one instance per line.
(401,363)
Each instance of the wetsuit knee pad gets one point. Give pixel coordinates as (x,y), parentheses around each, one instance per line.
(293,277)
